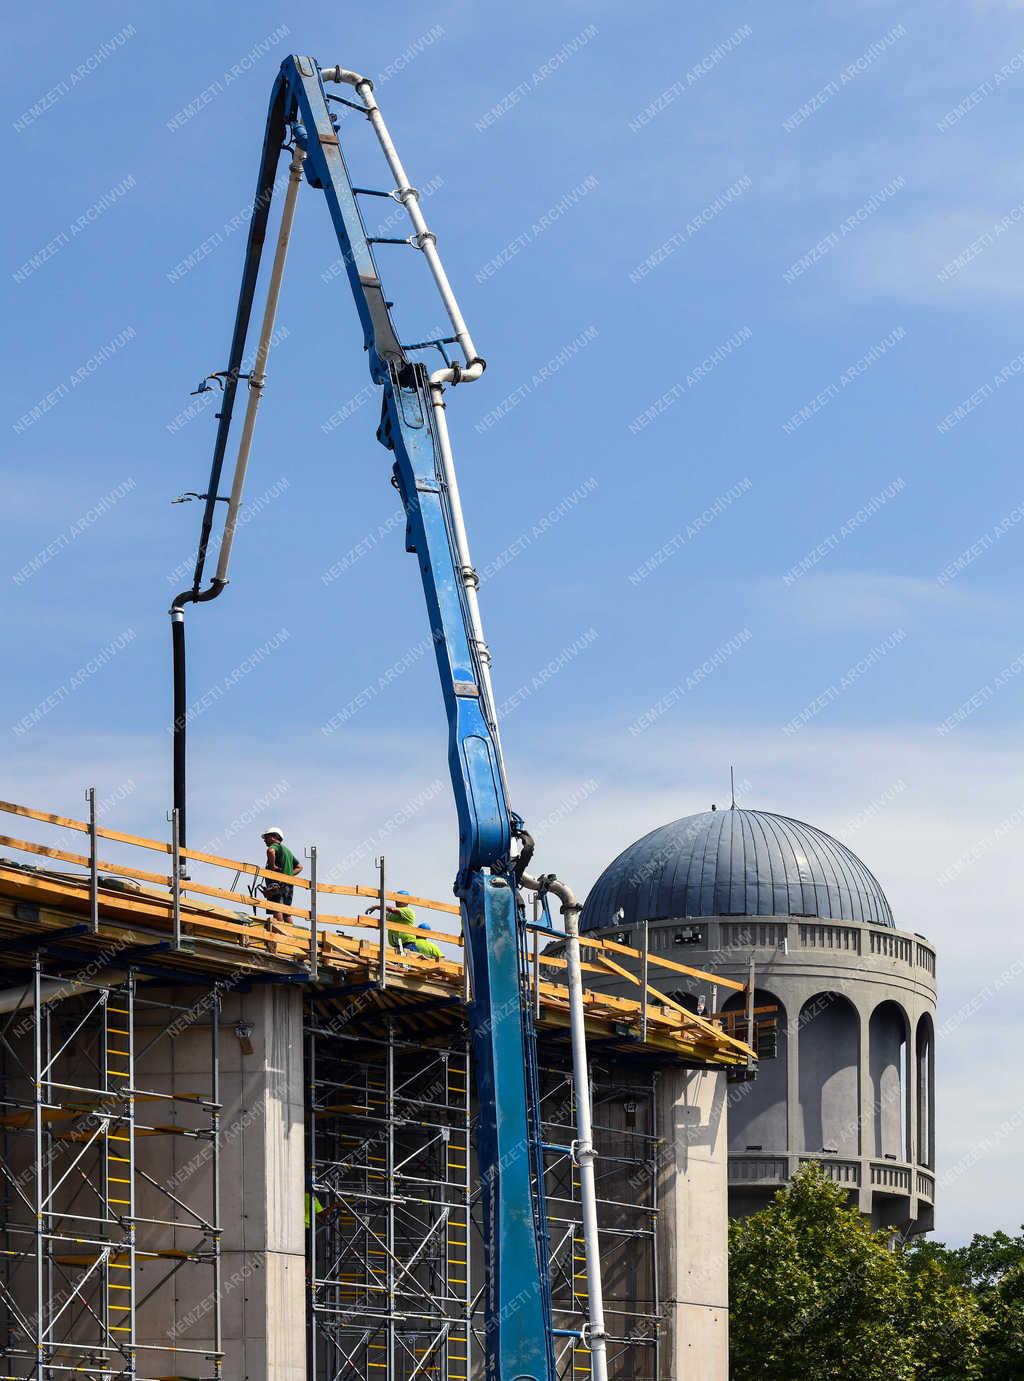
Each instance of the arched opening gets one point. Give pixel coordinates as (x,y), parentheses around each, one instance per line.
(925,1052)
(829,1075)
(888,1042)
(758,1110)
(691,1001)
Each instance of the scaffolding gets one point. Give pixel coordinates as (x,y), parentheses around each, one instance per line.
(390,1186)
(97,1217)
(110,1227)
(623,1096)
(395,1287)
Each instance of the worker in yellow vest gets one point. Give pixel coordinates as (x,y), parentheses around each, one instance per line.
(313,1207)
(403,942)
(405,915)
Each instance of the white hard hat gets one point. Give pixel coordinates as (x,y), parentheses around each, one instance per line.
(273,829)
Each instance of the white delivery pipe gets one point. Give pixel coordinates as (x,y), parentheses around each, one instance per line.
(472,370)
(424,239)
(585,1154)
(258,373)
(467,571)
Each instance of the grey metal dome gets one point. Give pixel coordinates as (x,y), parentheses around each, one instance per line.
(735,863)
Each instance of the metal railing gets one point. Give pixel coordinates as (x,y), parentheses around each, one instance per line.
(187,895)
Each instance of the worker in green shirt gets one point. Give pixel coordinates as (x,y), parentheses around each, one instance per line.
(280,859)
(398,939)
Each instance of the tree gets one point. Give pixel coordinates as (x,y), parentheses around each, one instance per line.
(816,1294)
(992,1268)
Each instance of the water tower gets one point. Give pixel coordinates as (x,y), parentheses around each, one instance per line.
(847,1079)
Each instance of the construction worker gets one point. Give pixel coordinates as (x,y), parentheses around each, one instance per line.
(426,947)
(280,859)
(313,1207)
(406,915)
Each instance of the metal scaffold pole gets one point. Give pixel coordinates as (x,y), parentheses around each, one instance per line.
(37,1128)
(382,902)
(75,1082)
(389,1189)
(388,1135)
(94,879)
(627,1203)
(215,1152)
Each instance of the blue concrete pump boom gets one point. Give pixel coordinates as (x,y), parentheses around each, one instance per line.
(493,847)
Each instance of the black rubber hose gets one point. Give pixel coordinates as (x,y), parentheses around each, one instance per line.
(272,145)
(180,716)
(526,848)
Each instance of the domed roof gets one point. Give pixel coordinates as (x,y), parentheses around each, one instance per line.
(735,863)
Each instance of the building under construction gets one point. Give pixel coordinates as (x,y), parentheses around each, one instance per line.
(238,1144)
(249,1135)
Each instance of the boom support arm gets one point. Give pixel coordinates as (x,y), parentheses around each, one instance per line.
(413,427)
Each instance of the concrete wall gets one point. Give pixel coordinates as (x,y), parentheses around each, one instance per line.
(262,1191)
(835,984)
(262,1282)
(261,1185)
(692,1224)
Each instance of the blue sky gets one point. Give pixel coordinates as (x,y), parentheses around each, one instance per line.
(743,468)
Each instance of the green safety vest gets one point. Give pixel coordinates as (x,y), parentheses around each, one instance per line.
(397,938)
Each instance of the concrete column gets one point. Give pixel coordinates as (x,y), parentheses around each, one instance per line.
(693,1224)
(913,1148)
(262,1182)
(867,1111)
(263,1189)
(794,1112)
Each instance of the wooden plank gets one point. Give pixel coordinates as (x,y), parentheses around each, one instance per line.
(219,861)
(553,961)
(148,904)
(55,907)
(365,923)
(155,845)
(670,1043)
(401,928)
(82,860)
(740,1013)
(207,890)
(666,964)
(690,1018)
(236,865)
(675,1029)
(452,909)
(252,869)
(9,808)
(122,870)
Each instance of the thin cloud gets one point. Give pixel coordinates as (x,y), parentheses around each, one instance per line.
(855,599)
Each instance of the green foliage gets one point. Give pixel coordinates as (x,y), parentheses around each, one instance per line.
(992,1268)
(817,1295)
